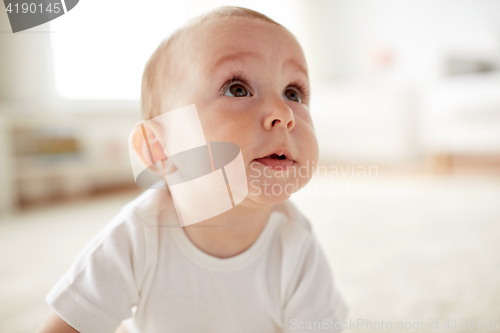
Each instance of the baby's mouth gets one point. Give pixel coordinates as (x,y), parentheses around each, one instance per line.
(276,161)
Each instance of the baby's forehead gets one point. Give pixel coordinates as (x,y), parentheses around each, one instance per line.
(206,43)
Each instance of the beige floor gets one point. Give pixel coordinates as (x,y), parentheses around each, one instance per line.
(403,249)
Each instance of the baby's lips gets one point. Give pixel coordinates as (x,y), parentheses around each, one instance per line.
(275,163)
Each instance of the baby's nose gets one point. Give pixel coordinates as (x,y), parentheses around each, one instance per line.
(281,116)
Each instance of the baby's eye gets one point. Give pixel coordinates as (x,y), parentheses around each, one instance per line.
(237,90)
(292,95)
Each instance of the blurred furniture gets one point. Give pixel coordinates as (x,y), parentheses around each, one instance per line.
(56,156)
(460,122)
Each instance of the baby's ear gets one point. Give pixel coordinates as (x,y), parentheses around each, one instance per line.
(147,156)
(146,144)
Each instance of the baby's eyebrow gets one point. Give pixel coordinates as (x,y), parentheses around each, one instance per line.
(233,57)
(296,64)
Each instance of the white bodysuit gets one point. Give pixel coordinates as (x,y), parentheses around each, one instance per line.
(142,268)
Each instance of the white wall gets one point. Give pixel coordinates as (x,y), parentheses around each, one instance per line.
(25,64)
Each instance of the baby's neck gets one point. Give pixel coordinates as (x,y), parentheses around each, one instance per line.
(229,234)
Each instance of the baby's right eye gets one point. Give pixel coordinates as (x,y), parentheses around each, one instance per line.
(237,90)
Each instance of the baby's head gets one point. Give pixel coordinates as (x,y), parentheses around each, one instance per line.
(248,78)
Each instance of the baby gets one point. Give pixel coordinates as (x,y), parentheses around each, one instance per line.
(256,267)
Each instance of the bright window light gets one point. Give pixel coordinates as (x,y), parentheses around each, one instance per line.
(100,47)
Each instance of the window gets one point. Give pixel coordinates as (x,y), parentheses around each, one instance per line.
(100,47)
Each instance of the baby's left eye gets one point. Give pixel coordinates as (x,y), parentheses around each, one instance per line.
(292,95)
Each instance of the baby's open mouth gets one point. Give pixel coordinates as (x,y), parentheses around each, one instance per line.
(276,161)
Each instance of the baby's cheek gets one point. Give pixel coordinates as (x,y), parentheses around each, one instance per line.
(307,144)
(305,175)
(228,130)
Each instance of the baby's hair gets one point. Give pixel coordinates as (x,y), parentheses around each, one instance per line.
(154,84)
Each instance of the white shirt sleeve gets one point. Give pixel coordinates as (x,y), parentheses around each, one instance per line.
(103,283)
(313,302)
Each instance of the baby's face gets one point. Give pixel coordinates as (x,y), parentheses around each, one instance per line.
(249,82)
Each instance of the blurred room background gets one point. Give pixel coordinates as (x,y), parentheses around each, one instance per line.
(410,88)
